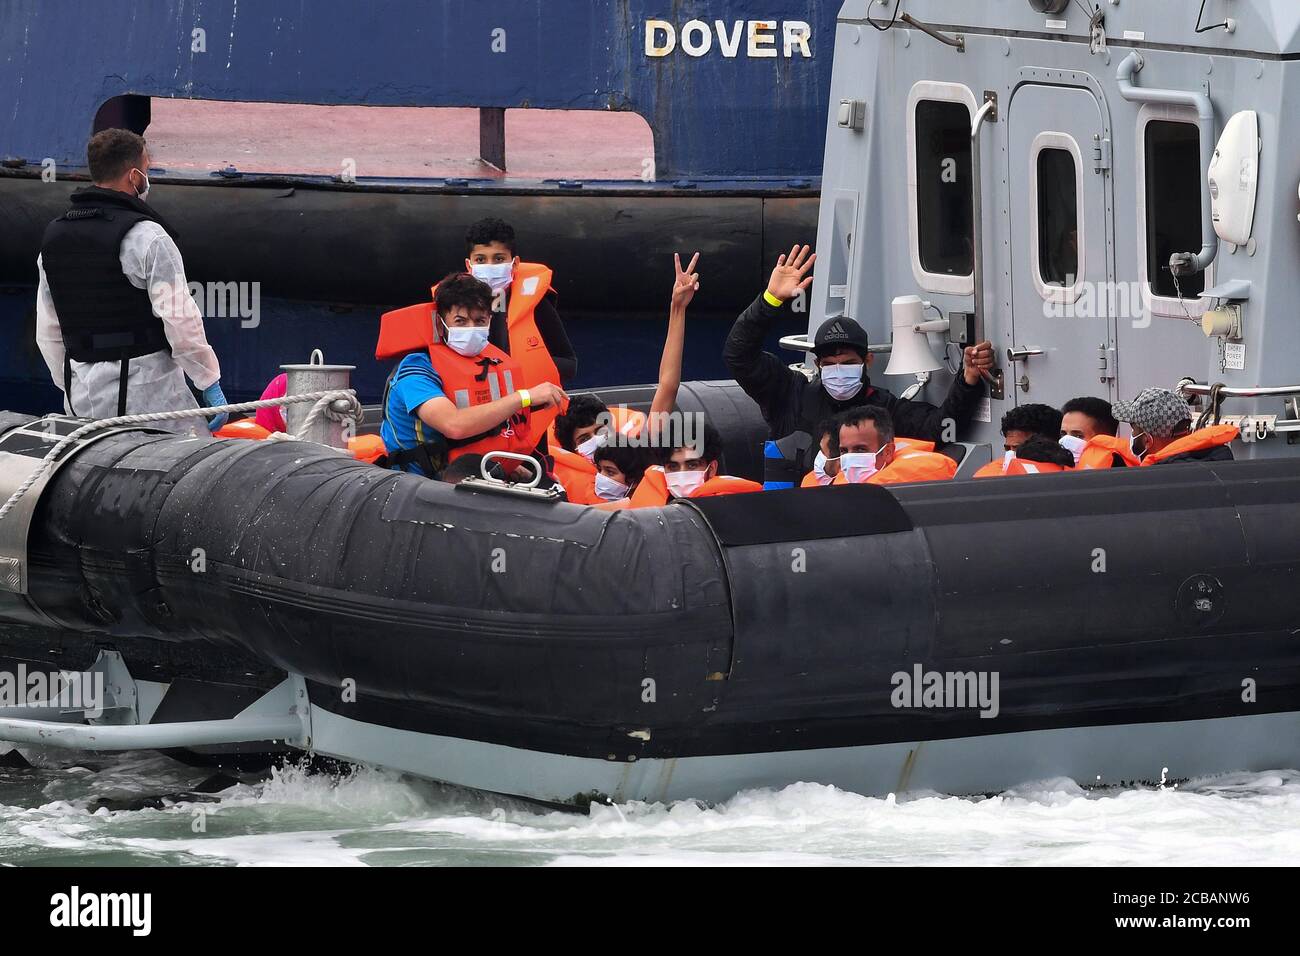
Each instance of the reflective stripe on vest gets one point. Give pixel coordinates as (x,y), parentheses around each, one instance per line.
(478,381)
(1023,466)
(997,467)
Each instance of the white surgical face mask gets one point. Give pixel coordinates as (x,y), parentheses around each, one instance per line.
(466,340)
(1074,445)
(143,194)
(842,382)
(588,448)
(497,275)
(819,469)
(858,466)
(1007,458)
(609,489)
(683,484)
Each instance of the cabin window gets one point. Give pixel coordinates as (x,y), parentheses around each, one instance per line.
(1058,218)
(940,183)
(943,195)
(1172,179)
(378,142)
(1056,228)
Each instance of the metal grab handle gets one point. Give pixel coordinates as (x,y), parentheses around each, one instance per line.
(538,470)
(1189,387)
(1020,354)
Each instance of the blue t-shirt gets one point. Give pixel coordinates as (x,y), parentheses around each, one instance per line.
(414,383)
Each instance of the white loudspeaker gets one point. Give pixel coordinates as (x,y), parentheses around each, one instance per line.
(1234,178)
(911,352)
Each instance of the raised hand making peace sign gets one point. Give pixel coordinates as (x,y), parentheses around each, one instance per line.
(687,282)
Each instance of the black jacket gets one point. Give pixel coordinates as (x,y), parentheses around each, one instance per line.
(791,403)
(1216,453)
(551,328)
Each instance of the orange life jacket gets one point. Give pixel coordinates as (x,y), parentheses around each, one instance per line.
(652,490)
(914,460)
(405,330)
(367,448)
(909,466)
(1210,437)
(485,377)
(628,421)
(529,286)
(994,469)
(577,475)
(810,481)
(1100,452)
(915,466)
(726,485)
(242,428)
(1023,466)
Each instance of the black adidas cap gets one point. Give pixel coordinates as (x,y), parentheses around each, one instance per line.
(837,331)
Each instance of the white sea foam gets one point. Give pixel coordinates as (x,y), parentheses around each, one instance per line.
(378,818)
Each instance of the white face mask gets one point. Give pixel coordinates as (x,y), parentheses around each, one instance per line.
(819,469)
(466,340)
(842,382)
(1074,445)
(588,448)
(1007,458)
(858,466)
(683,484)
(498,275)
(609,489)
(143,194)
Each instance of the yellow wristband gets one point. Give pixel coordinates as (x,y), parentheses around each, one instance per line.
(525,398)
(772,300)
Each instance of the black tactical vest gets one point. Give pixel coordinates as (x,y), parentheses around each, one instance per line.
(102,316)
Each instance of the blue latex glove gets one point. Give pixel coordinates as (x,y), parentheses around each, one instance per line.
(212,397)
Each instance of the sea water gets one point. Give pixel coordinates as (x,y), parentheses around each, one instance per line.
(144,809)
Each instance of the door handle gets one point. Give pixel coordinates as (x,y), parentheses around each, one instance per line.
(1020,354)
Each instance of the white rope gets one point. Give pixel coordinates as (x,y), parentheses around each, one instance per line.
(323,401)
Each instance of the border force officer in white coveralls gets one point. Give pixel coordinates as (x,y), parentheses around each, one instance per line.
(114,318)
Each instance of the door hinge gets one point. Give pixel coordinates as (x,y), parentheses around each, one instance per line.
(1100,154)
(1105,362)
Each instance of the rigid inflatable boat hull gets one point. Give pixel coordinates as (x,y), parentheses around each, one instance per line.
(1120,755)
(1135,620)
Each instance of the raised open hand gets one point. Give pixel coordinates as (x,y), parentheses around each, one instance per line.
(791,273)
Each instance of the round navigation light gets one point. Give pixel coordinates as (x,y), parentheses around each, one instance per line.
(1049,6)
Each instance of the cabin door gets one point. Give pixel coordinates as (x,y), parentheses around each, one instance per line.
(1062,328)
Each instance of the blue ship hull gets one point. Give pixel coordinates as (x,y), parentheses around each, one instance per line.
(738,135)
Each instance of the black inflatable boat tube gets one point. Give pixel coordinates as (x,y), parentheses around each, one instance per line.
(745,624)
